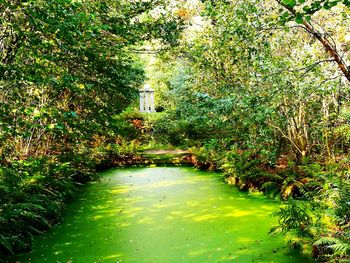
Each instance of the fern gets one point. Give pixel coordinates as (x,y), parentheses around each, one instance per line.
(337,245)
(271,189)
(6,243)
(295,217)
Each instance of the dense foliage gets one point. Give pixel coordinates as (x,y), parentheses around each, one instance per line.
(67,70)
(260,91)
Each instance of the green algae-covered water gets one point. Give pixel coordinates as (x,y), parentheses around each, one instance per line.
(162,215)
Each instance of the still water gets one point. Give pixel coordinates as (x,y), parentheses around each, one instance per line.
(162,215)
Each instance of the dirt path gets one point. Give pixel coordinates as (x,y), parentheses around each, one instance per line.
(167,151)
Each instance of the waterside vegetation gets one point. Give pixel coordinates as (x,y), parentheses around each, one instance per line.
(257,89)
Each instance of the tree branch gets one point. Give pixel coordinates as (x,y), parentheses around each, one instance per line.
(323,40)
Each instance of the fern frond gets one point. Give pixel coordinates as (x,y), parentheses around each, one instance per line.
(338,246)
(6,243)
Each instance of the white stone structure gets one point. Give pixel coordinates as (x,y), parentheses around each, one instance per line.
(147,99)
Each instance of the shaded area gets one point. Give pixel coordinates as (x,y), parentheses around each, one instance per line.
(163,215)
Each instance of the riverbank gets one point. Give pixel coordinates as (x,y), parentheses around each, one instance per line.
(62,182)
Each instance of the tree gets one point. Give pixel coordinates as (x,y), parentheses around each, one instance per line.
(66,68)
(302,12)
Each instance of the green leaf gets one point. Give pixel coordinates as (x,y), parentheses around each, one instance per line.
(299,19)
(289,3)
(59,126)
(306,9)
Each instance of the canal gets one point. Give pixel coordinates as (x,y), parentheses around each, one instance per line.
(162,215)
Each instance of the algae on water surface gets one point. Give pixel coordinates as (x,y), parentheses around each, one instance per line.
(163,214)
